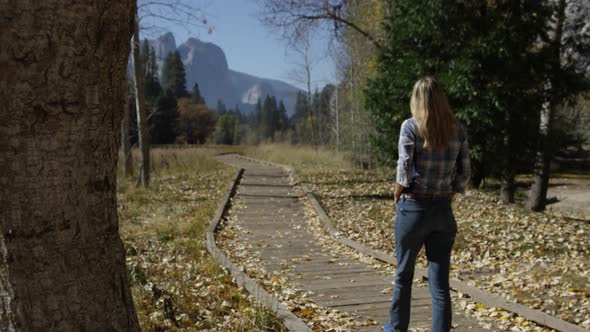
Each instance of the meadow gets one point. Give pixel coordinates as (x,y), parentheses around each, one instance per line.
(176,284)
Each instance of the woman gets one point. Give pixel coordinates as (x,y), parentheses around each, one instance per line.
(433,166)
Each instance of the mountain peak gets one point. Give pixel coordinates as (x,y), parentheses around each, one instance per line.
(206,64)
(164,44)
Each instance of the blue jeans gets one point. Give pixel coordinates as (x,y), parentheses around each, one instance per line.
(429,222)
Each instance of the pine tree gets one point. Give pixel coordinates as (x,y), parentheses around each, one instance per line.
(152,88)
(196,97)
(283,119)
(266,119)
(258,113)
(274,123)
(300,120)
(173,75)
(220,108)
(165,119)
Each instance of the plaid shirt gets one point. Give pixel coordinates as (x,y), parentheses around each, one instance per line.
(432,171)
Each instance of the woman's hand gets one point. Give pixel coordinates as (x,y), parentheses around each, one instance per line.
(397,192)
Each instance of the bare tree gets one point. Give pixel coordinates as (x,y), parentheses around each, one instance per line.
(143,138)
(297,17)
(335,114)
(157,16)
(62,261)
(125,137)
(302,75)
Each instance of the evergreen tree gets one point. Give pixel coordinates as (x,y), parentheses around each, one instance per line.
(258,114)
(196,97)
(225,129)
(220,108)
(300,121)
(173,75)
(165,119)
(237,120)
(152,88)
(152,84)
(283,119)
(267,117)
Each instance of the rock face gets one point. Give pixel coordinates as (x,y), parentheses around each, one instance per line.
(206,64)
(164,45)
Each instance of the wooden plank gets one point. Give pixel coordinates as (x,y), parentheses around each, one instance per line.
(319,263)
(350,301)
(363,291)
(351,285)
(315,270)
(291,322)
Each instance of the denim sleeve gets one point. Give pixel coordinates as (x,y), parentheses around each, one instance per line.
(407,138)
(463,168)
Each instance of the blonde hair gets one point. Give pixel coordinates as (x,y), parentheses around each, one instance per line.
(430,108)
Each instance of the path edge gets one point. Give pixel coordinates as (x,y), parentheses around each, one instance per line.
(291,322)
(478,295)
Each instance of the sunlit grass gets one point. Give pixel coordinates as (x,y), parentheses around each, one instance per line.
(299,156)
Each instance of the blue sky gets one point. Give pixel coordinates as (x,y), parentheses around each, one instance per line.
(252,47)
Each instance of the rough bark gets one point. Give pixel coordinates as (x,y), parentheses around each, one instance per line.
(126,139)
(62,76)
(537,199)
(143,135)
(508,187)
(538,194)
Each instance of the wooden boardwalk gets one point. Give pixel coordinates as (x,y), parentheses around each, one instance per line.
(273,219)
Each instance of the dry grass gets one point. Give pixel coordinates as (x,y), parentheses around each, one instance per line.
(300,157)
(176,284)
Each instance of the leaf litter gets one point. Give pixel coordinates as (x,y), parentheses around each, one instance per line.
(539,260)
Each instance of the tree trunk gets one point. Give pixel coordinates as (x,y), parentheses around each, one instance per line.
(477,173)
(125,139)
(62,76)
(337,121)
(538,194)
(352,121)
(310,111)
(508,187)
(143,137)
